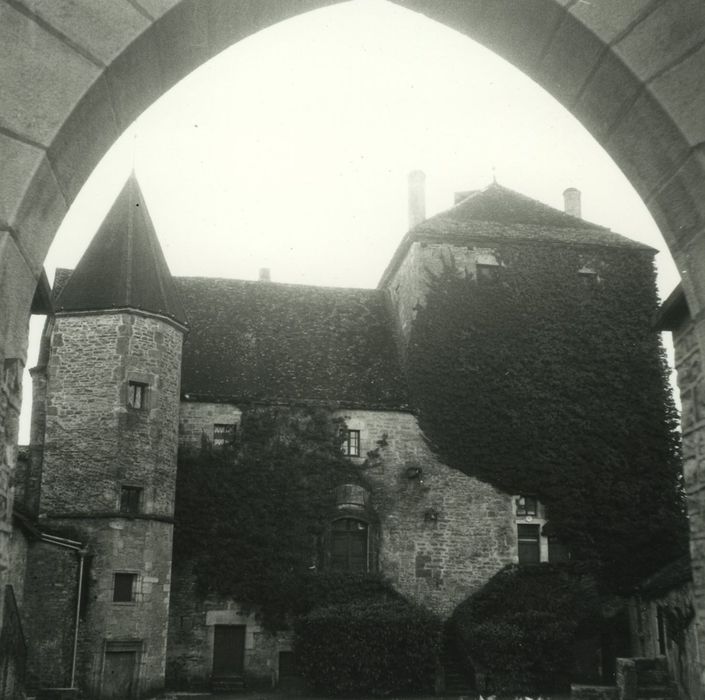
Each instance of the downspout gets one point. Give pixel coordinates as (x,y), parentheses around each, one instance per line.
(81,550)
(82,558)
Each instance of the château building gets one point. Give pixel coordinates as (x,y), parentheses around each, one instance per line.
(136,364)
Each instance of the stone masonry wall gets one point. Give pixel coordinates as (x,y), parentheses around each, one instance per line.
(192,622)
(681,653)
(49,612)
(135,546)
(10,401)
(196,420)
(94,444)
(691,383)
(443,534)
(115,545)
(19,545)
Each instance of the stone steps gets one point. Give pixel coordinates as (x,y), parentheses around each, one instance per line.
(227,684)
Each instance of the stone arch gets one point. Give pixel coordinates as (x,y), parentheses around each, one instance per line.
(630,73)
(73,76)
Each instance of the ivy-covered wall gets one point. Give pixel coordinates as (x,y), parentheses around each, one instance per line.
(549,382)
(435,533)
(252,524)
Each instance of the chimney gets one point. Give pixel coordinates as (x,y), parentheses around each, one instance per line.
(417,197)
(264,275)
(571,202)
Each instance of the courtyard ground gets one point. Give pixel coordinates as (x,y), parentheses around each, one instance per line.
(273,695)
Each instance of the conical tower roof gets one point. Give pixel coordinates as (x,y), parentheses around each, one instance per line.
(124,266)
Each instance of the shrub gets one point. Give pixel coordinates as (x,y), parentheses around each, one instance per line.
(520,628)
(378,647)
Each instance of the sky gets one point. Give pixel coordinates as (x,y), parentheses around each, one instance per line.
(291,150)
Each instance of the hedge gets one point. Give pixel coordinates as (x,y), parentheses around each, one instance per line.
(376,647)
(519,630)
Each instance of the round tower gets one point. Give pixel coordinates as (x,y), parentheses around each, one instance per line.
(110,443)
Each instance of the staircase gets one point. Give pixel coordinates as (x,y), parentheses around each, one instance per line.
(638,678)
(458,677)
(645,679)
(227,684)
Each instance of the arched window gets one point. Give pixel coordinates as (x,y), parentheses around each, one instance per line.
(349,545)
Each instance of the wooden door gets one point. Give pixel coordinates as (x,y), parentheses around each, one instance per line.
(228,650)
(118,675)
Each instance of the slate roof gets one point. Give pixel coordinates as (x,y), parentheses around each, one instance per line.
(263,341)
(123,267)
(497,214)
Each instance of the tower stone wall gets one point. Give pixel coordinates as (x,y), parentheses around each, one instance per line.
(94,441)
(99,442)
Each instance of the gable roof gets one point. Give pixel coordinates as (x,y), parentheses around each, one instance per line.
(124,266)
(497,214)
(269,342)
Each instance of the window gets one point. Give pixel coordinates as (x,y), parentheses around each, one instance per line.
(351,444)
(529,544)
(130,499)
(349,545)
(124,587)
(587,275)
(224,434)
(527,505)
(137,395)
(588,278)
(487,273)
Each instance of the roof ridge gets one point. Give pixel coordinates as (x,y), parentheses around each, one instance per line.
(273,283)
(495,186)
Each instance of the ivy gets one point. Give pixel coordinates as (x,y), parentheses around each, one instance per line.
(520,629)
(250,520)
(547,383)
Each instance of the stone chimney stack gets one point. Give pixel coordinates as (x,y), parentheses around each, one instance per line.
(264,274)
(417,197)
(571,202)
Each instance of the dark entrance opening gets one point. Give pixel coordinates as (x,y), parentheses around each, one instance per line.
(228,650)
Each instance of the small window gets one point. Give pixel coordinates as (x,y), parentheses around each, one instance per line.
(487,273)
(351,444)
(224,434)
(124,587)
(527,505)
(529,544)
(130,499)
(588,277)
(349,545)
(137,395)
